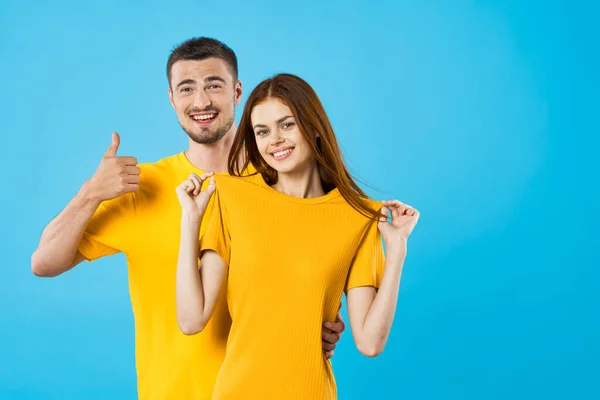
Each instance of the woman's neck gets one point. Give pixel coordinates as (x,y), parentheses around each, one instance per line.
(303,185)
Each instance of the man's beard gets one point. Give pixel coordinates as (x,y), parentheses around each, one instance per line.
(206,136)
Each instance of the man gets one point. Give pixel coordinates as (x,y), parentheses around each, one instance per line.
(133,209)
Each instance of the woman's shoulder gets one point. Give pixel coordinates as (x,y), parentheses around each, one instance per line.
(231,183)
(373,204)
(370,204)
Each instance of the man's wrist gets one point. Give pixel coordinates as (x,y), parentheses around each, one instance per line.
(87,196)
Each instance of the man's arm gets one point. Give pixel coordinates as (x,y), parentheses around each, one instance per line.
(57,251)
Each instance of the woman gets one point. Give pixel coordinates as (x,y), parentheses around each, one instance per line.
(290,240)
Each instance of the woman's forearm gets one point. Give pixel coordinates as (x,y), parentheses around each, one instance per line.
(375,322)
(190,294)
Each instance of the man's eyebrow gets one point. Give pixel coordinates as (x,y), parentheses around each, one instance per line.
(186,82)
(214,78)
(280,120)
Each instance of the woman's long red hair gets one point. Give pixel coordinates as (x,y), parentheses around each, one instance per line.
(310,115)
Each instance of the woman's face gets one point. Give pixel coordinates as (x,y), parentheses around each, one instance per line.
(278,138)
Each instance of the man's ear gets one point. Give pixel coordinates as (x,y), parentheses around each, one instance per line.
(171,97)
(238,92)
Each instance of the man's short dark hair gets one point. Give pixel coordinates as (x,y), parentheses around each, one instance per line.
(201,48)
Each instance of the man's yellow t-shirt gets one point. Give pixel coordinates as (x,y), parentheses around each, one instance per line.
(289,258)
(145,226)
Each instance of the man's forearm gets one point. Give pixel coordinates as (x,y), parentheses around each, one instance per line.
(60,239)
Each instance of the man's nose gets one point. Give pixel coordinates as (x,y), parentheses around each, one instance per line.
(201,99)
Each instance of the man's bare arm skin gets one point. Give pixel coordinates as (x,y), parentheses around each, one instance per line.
(57,250)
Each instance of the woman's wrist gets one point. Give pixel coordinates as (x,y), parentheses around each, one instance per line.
(397,245)
(191,220)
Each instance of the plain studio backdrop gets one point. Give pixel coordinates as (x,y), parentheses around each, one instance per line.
(482,114)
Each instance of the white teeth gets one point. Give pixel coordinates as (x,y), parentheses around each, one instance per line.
(282,153)
(203,117)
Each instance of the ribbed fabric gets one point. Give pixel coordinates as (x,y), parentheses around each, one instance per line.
(145,225)
(289,260)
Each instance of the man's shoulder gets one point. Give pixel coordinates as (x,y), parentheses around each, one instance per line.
(162,165)
(164,170)
(158,178)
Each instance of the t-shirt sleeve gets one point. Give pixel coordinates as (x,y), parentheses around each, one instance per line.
(368,262)
(216,237)
(109,229)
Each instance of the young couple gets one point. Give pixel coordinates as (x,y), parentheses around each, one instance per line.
(286,232)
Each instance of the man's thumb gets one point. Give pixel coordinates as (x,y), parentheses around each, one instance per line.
(114,145)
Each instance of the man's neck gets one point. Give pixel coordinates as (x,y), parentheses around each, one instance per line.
(211,157)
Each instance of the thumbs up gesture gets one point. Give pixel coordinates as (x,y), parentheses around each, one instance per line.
(115,176)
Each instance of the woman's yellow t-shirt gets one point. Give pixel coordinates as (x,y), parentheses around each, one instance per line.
(289,260)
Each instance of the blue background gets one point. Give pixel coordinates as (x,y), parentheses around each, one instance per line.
(483,114)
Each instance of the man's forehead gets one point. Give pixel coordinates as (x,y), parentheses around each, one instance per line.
(209,67)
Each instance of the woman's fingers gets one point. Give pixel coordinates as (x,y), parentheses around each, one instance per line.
(197,184)
(384,214)
(198,181)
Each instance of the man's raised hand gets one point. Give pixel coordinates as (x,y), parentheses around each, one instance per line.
(115,176)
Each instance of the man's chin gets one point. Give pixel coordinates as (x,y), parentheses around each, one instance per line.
(205,137)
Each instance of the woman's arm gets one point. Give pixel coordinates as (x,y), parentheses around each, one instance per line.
(197,285)
(372,311)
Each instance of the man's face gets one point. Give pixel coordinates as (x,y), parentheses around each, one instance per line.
(204,96)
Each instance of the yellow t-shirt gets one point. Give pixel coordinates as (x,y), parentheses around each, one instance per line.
(289,260)
(145,225)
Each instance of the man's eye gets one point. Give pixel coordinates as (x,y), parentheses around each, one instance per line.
(187,89)
(215,86)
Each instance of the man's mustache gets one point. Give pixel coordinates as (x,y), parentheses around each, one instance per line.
(209,108)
